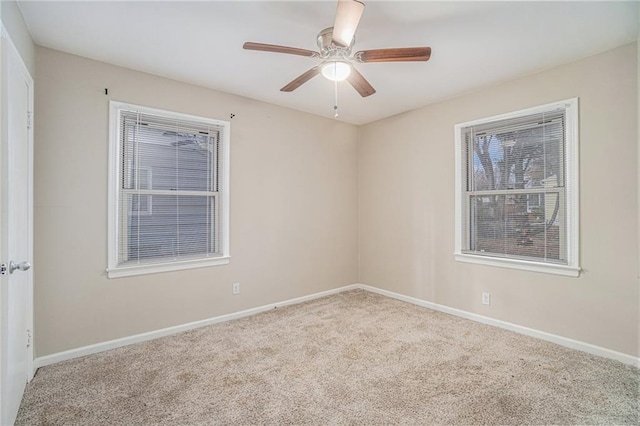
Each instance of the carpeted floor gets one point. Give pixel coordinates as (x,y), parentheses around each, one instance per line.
(351,358)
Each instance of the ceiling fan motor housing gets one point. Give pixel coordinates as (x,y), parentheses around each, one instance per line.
(328,48)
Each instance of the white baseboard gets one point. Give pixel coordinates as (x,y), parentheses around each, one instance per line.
(138,338)
(562,341)
(117,343)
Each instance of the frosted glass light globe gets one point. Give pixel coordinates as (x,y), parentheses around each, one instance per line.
(336,70)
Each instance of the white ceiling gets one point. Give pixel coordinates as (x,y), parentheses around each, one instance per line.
(474,44)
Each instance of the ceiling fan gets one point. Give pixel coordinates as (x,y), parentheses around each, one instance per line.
(335,44)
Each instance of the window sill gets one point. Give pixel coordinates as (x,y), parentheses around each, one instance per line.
(128,271)
(548,268)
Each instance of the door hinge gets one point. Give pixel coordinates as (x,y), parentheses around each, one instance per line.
(29,338)
(29,119)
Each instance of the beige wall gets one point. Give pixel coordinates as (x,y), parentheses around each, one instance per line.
(302,185)
(14,23)
(406,207)
(293,207)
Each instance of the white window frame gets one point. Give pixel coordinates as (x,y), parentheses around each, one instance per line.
(572,267)
(115,169)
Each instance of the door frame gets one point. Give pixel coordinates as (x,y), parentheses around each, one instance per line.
(8,49)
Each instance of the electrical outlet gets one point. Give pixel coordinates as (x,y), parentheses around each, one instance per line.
(486,298)
(235,288)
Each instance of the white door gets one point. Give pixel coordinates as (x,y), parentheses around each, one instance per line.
(16,225)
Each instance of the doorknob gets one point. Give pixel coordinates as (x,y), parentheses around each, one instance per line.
(22,266)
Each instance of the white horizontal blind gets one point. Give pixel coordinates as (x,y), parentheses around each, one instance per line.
(514,198)
(169,189)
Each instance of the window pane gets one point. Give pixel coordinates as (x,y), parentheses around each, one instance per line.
(178,159)
(521,225)
(520,158)
(176,227)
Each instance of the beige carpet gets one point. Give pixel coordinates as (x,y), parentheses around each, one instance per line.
(352,358)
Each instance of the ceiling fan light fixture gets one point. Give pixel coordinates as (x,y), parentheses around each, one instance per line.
(336,70)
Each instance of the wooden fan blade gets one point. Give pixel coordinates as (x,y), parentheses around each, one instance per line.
(347,19)
(401,54)
(278,49)
(359,83)
(301,80)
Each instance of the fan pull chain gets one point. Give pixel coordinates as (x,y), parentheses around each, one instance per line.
(335,106)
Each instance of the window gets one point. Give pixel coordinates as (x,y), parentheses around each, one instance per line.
(517,190)
(168,191)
